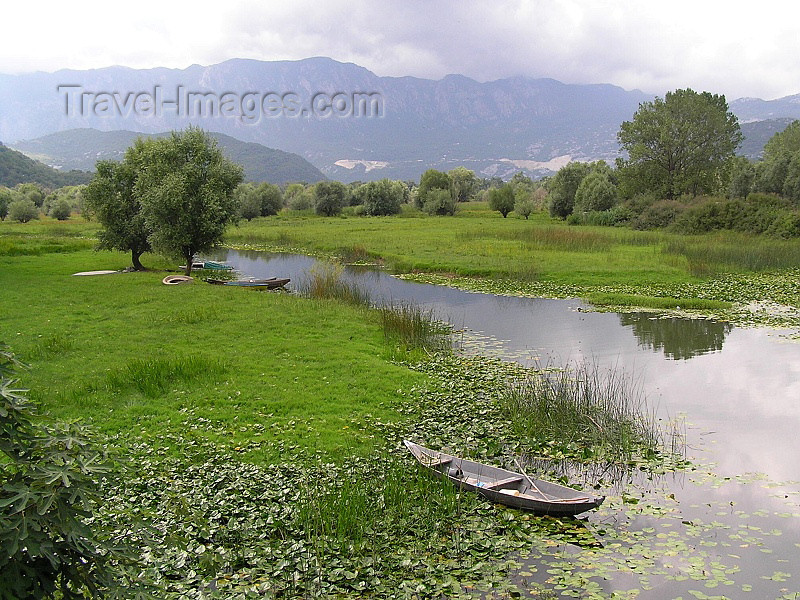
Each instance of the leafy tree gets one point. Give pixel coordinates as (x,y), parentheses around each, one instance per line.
(49,486)
(432,180)
(772,171)
(678,145)
(787,140)
(523,208)
(32,192)
(329,198)
(502,199)
(779,172)
(186,188)
(596,192)
(22,210)
(741,177)
(439,202)
(61,210)
(270,198)
(111,197)
(7,196)
(248,201)
(382,197)
(464,183)
(520,179)
(791,185)
(563,186)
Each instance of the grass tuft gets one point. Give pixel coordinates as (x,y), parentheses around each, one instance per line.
(153,377)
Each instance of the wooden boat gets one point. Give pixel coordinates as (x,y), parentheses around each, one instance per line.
(209,264)
(264,284)
(516,490)
(176,279)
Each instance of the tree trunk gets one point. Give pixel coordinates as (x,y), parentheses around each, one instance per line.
(188,258)
(135,260)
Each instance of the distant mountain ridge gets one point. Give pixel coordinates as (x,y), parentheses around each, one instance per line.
(82,148)
(496,127)
(16,168)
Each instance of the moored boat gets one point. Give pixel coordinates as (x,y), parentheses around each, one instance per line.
(209,264)
(264,284)
(516,490)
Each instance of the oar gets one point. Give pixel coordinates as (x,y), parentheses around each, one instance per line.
(533,485)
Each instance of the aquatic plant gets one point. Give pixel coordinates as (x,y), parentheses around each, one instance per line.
(412,327)
(326,280)
(603,413)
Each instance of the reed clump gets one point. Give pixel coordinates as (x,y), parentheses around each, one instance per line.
(601,413)
(413,327)
(326,280)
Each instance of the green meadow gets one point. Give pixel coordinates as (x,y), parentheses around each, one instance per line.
(480,242)
(256,435)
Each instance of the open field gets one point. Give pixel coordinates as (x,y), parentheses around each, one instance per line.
(480,242)
(129,354)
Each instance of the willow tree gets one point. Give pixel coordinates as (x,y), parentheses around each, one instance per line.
(186,188)
(678,145)
(111,199)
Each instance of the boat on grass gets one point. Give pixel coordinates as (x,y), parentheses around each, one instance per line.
(516,490)
(263,284)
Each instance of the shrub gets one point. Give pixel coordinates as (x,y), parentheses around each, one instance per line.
(329,198)
(614,217)
(22,211)
(440,202)
(660,214)
(61,210)
(502,199)
(709,215)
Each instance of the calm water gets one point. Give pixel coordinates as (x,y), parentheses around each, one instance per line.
(739,390)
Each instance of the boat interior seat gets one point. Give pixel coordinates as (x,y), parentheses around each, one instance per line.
(504,482)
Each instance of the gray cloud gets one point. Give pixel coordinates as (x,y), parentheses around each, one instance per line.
(651,46)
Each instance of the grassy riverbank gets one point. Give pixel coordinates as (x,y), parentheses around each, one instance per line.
(129,354)
(727,275)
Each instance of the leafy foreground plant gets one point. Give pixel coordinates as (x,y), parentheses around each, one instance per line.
(49,491)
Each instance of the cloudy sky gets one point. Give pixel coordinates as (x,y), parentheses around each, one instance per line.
(735,48)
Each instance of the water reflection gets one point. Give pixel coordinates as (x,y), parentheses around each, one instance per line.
(679,339)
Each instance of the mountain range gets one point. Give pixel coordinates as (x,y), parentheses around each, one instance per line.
(347,121)
(80,149)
